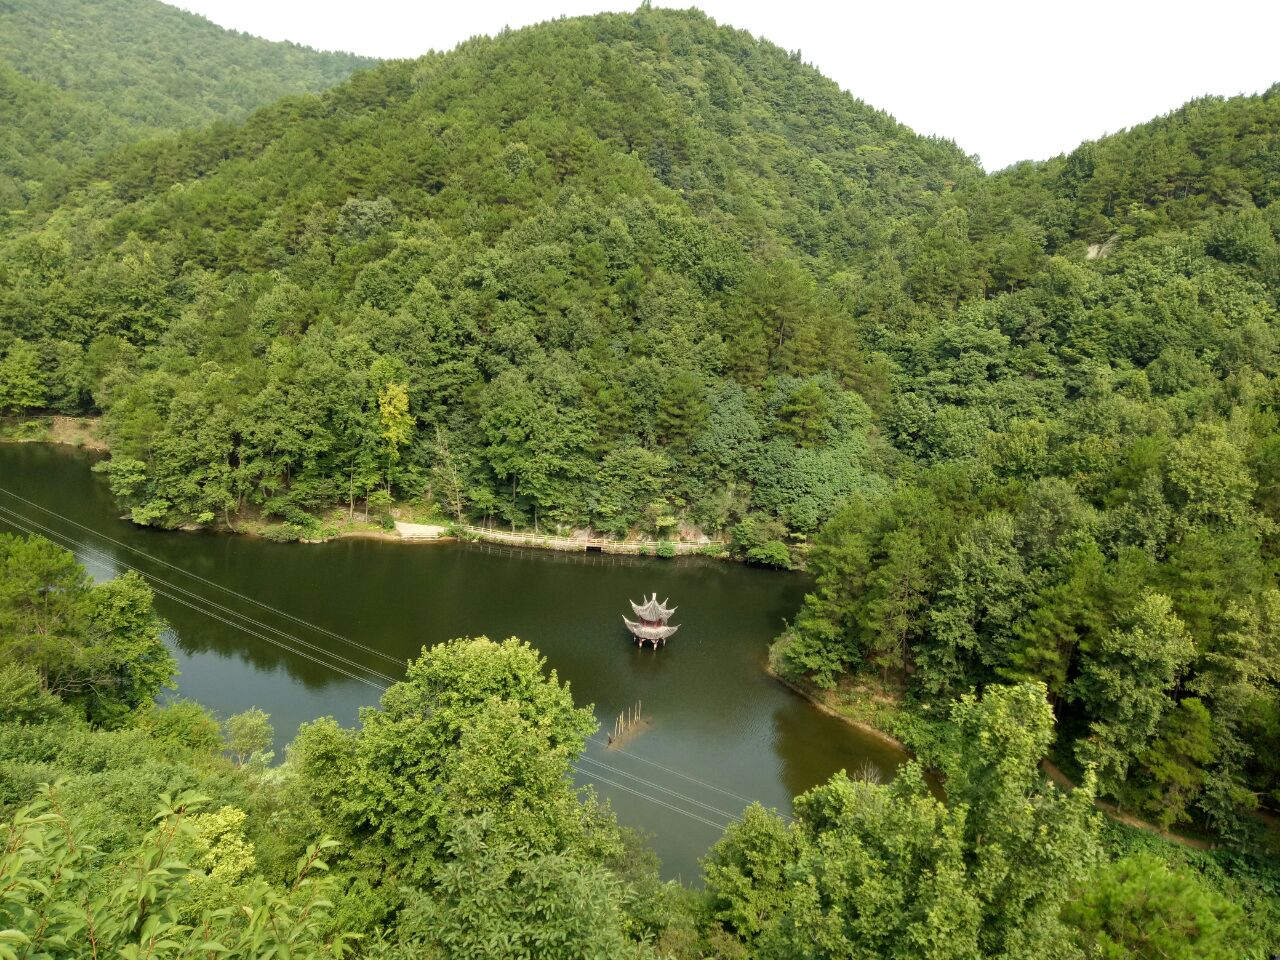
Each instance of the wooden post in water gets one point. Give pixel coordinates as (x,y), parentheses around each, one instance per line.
(628,719)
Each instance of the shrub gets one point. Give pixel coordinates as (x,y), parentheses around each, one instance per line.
(184,725)
(771,553)
(24,699)
(284,532)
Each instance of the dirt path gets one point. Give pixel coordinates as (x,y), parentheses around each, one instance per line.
(420,531)
(1111,810)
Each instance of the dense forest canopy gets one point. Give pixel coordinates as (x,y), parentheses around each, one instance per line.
(445,825)
(80,77)
(583,259)
(631,272)
(1091,497)
(646,274)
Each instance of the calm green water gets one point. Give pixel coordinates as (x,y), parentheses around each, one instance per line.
(717,717)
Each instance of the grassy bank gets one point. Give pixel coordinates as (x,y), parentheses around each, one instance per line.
(83,432)
(863,708)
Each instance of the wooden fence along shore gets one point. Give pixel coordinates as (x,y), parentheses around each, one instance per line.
(589,544)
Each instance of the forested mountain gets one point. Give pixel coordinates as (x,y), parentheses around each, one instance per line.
(78,77)
(1092,428)
(578,264)
(639,272)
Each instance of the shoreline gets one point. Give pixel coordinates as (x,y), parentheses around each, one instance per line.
(82,434)
(61,429)
(821,705)
(79,433)
(588,544)
(385,536)
(1051,771)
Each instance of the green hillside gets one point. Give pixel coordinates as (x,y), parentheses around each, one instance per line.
(83,76)
(578,261)
(1089,405)
(639,272)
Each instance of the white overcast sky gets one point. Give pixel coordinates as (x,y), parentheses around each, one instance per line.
(1006,80)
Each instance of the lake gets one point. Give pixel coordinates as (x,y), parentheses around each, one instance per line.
(722,731)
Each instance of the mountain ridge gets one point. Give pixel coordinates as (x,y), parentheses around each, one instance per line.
(601,226)
(84,76)
(641,273)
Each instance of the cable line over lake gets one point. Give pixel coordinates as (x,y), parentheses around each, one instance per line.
(674,772)
(247,624)
(644,796)
(40,530)
(213,583)
(153,579)
(650,783)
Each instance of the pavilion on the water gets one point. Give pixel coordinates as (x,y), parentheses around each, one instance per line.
(652,625)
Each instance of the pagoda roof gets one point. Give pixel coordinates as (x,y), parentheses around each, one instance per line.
(647,632)
(653,611)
